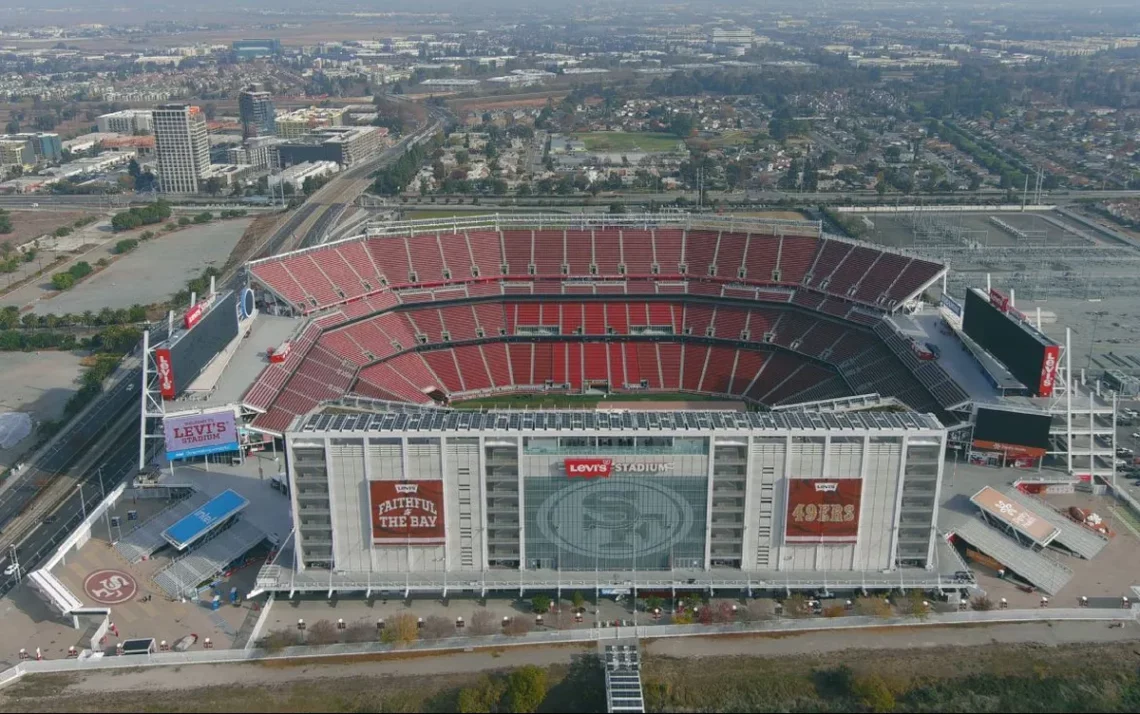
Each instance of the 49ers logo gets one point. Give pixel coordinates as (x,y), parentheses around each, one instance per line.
(110,587)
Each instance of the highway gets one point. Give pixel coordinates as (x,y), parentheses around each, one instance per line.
(40,492)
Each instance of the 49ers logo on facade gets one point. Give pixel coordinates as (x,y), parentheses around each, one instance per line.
(602,468)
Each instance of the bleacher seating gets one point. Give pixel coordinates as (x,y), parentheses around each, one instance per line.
(384,301)
(204,562)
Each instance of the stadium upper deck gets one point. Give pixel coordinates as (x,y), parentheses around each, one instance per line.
(768,311)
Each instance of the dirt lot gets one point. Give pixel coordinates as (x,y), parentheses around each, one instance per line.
(28,225)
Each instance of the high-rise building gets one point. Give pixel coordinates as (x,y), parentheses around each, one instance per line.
(16,152)
(128,121)
(182,147)
(45,146)
(257,113)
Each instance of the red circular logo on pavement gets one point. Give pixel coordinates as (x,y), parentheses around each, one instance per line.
(110,587)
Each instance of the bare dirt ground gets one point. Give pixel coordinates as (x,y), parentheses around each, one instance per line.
(28,225)
(254,233)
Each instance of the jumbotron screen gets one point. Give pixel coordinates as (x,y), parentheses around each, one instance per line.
(194,350)
(1016,433)
(1025,354)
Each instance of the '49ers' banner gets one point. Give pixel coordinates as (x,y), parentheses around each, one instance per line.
(406,512)
(823,510)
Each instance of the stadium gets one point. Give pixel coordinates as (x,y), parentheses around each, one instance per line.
(759,406)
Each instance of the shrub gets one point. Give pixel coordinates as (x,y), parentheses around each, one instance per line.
(278,640)
(518,625)
(126,245)
(62,231)
(981,603)
(540,604)
(184,221)
(80,270)
(146,235)
(834,611)
(62,281)
(482,697)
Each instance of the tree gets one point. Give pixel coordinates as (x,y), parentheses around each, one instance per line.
(540,604)
(652,603)
(916,605)
(402,629)
(981,603)
(483,623)
(437,627)
(213,185)
(578,599)
(321,632)
(483,696)
(681,125)
(874,693)
(873,607)
(617,207)
(796,605)
(526,688)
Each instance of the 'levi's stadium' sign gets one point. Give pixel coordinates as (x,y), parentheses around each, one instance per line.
(407,512)
(602,468)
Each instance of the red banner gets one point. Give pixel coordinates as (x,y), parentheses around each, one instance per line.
(999,300)
(407,512)
(1049,370)
(823,510)
(588,468)
(194,315)
(165,373)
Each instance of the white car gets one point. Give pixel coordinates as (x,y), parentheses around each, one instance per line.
(1136,435)
(11,569)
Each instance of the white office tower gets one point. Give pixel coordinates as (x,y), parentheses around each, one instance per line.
(182,147)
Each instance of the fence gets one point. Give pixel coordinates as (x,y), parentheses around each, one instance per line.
(169,659)
(1001,208)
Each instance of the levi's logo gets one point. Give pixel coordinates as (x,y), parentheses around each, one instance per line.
(827,486)
(588,468)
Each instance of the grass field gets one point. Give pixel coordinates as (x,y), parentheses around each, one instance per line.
(573,401)
(628,141)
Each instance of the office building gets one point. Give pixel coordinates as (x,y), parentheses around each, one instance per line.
(182,146)
(257,114)
(16,152)
(305,121)
(45,146)
(250,49)
(345,145)
(128,121)
(260,152)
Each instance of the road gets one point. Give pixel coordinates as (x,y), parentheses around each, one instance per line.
(319,214)
(26,499)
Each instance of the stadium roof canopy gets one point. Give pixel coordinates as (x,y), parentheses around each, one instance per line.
(615,421)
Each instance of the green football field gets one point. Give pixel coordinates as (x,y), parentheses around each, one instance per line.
(628,141)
